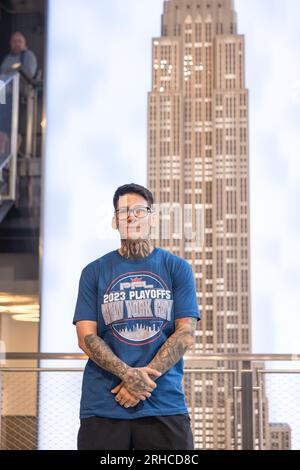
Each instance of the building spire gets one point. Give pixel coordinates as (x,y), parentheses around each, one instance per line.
(220,11)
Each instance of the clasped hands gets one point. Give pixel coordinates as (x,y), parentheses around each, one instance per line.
(136,385)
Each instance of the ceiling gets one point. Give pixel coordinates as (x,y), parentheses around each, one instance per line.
(23,6)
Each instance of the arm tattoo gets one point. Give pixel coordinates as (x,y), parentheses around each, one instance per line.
(175,346)
(103,356)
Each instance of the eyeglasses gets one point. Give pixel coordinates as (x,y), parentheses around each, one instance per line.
(139,212)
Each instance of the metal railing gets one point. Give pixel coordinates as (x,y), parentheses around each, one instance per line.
(20,128)
(32,88)
(233,400)
(9,115)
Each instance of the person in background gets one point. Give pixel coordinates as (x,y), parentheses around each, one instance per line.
(19,54)
(22,56)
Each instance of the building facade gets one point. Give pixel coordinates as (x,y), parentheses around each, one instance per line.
(280,436)
(198,170)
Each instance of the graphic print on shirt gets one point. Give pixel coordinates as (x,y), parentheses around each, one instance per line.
(137,306)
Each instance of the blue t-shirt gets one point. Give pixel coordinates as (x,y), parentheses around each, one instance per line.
(135,303)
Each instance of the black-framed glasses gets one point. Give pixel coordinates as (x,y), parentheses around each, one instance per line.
(138,211)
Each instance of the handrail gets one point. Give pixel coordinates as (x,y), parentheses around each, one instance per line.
(11,159)
(198,357)
(7,78)
(246,384)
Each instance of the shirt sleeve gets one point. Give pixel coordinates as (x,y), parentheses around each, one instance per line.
(184,293)
(30,64)
(86,305)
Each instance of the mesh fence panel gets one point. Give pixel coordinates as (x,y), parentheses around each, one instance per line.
(283,393)
(40,409)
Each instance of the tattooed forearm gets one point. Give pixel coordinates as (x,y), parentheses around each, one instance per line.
(136,380)
(103,356)
(175,346)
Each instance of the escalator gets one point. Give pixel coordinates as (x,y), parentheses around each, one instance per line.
(20,164)
(21,149)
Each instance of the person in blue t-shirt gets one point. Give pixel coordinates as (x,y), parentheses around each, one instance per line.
(136,315)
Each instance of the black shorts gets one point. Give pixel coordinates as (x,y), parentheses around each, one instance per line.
(148,433)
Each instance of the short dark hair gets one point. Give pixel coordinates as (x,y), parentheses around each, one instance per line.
(133,188)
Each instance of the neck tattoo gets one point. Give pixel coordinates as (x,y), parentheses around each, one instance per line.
(135,249)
